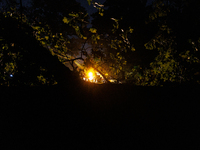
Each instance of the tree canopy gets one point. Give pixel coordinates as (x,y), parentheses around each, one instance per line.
(164,45)
(130,41)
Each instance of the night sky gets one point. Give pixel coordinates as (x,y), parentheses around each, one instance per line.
(90,8)
(84,3)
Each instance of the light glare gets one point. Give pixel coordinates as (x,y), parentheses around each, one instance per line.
(90,74)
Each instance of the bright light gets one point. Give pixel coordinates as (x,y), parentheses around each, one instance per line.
(91,76)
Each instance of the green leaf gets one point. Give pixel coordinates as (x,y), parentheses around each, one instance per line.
(73,15)
(46,37)
(93,30)
(43,43)
(130,30)
(66,20)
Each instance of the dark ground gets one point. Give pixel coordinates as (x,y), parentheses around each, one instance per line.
(88,116)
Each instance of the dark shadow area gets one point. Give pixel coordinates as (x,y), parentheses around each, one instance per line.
(94,116)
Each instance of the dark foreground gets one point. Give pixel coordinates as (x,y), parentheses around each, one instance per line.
(88,116)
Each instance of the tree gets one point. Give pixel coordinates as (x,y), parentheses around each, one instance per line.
(123,36)
(178,59)
(142,45)
(172,54)
(57,38)
(67,45)
(23,56)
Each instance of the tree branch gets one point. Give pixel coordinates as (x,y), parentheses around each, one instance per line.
(74,59)
(101,74)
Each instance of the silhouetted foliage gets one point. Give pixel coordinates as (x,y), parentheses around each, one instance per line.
(129,41)
(165,44)
(24,58)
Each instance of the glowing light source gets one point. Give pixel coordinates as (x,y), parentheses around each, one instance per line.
(90,76)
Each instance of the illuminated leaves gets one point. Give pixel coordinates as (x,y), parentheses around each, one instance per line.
(101,11)
(9,67)
(41,79)
(116,25)
(46,37)
(98,6)
(66,20)
(149,46)
(56,46)
(132,49)
(76,15)
(93,30)
(189,57)
(130,30)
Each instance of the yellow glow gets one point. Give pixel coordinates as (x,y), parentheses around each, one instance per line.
(91,76)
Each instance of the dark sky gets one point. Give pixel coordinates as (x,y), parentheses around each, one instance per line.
(90,8)
(84,3)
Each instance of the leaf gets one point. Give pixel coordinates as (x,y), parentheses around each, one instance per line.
(46,37)
(124,63)
(36,27)
(130,30)
(101,14)
(132,49)
(43,43)
(98,37)
(74,15)
(93,30)
(66,20)
(149,46)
